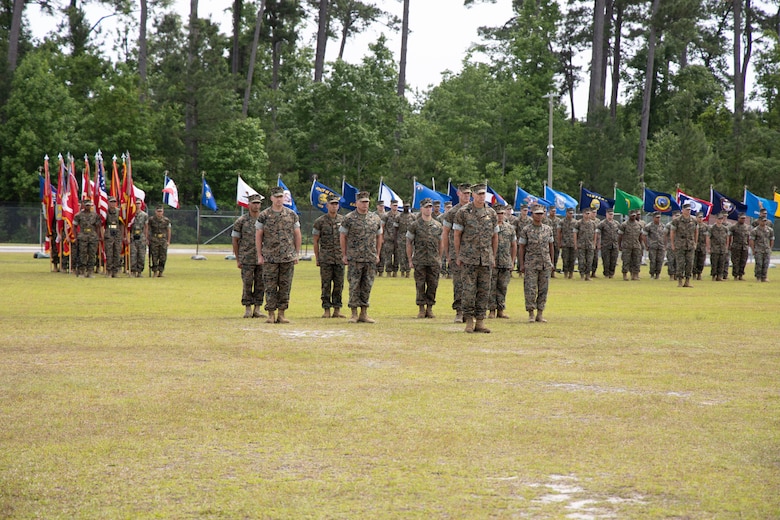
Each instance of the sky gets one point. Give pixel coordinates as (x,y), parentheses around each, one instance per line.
(441,32)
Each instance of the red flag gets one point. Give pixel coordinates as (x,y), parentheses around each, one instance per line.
(128,192)
(62,182)
(70,203)
(115,186)
(101,196)
(48,203)
(87,186)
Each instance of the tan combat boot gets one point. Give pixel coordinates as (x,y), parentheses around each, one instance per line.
(280,318)
(363,318)
(326,314)
(679,282)
(458,317)
(491,314)
(421,312)
(531,317)
(625,277)
(248,311)
(337,313)
(539,317)
(258,313)
(500,314)
(479,326)
(429,312)
(469,324)
(687,283)
(271,318)
(354,318)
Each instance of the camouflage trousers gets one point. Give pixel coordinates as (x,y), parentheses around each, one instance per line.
(609,257)
(594,266)
(158,251)
(113,249)
(137,255)
(656,259)
(632,260)
(585,260)
(426,280)
(535,286)
(389,256)
(475,292)
(568,255)
(361,280)
(699,259)
(739,258)
(277,279)
(684,262)
(556,254)
(403,261)
(719,264)
(331,285)
(762,264)
(499,283)
(253,286)
(671,262)
(87,252)
(456,272)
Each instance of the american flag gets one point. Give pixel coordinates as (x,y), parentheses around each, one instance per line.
(101,196)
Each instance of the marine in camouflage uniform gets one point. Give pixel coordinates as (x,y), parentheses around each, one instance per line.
(585,239)
(762,239)
(327,252)
(382,214)
(139,238)
(87,222)
(113,236)
(719,249)
(159,239)
(654,238)
(671,261)
(553,221)
(630,241)
(476,243)
(278,243)
(535,259)
(245,251)
(445,266)
(700,256)
(390,253)
(607,243)
(448,250)
(740,240)
(361,243)
(684,234)
(568,245)
(423,249)
(404,219)
(506,256)
(519,223)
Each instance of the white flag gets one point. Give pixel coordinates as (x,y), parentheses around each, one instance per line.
(386,195)
(243,191)
(171,193)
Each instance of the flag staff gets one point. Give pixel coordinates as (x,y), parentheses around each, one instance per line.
(198,208)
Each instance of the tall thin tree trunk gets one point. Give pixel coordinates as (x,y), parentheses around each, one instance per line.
(191,108)
(344,33)
(648,91)
(253,58)
(143,52)
(322,41)
(14,34)
(616,59)
(739,89)
(404,44)
(596,90)
(238,7)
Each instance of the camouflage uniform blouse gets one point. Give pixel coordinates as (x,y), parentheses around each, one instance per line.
(87,223)
(477,226)
(361,232)
(761,238)
(704,231)
(608,229)
(554,223)
(684,232)
(141,218)
(537,240)
(506,237)
(448,220)
(656,235)
(586,234)
(567,232)
(391,223)
(244,230)
(278,234)
(719,238)
(632,234)
(327,228)
(740,234)
(425,237)
(158,228)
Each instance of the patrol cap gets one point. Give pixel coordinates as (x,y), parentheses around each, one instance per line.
(89,202)
(448,204)
(723,215)
(334,198)
(362,196)
(393,202)
(610,210)
(479,188)
(742,215)
(762,219)
(656,214)
(437,202)
(762,210)
(277,191)
(139,199)
(538,209)
(112,199)
(427,201)
(408,205)
(159,207)
(686,204)
(255,198)
(569,210)
(464,188)
(499,208)
(380,203)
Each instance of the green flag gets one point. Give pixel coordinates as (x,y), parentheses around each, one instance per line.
(625,202)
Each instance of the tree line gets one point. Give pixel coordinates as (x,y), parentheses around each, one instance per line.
(186,98)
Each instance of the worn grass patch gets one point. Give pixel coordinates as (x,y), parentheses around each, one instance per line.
(128,398)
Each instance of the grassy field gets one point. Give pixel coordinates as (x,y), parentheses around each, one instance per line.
(153,398)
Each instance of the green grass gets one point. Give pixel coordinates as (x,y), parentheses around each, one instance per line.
(153,398)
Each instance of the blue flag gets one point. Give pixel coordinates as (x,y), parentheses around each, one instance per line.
(320,194)
(523,197)
(724,204)
(452,191)
(422,192)
(495,198)
(594,201)
(207,199)
(755,203)
(659,201)
(349,194)
(289,202)
(560,200)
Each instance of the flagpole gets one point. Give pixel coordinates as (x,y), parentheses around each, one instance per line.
(433,183)
(414,191)
(200,207)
